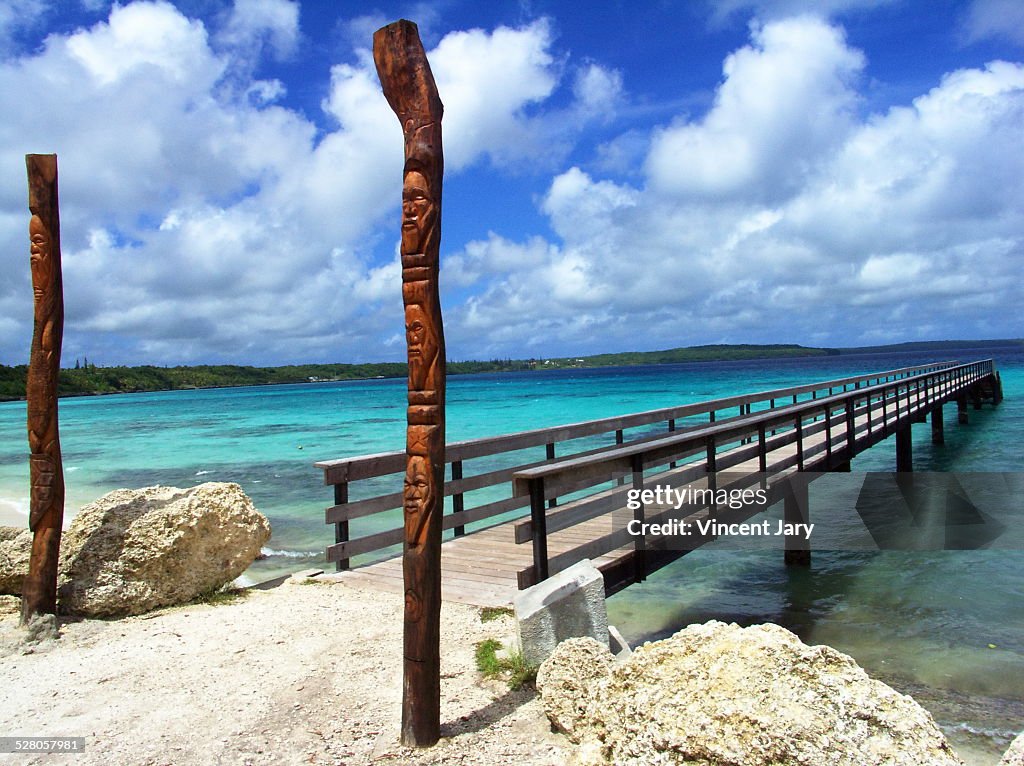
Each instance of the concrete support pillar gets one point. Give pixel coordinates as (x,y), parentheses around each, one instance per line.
(938,434)
(976,397)
(961,410)
(904,450)
(797,512)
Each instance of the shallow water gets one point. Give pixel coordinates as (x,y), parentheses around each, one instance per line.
(945,625)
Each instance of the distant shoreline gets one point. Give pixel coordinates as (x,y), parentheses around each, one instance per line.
(91,380)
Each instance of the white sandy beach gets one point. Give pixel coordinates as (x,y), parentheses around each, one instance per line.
(299,674)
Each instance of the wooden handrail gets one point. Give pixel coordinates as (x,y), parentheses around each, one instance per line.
(382,463)
(723,431)
(343,471)
(724,445)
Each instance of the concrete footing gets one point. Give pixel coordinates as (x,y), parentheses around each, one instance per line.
(569,604)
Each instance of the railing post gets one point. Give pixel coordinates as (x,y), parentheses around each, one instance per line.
(800,442)
(341,527)
(797,512)
(828,432)
(938,434)
(904,449)
(549,453)
(711,464)
(619,440)
(539,522)
(639,515)
(851,434)
(671,429)
(762,451)
(458,501)
(885,413)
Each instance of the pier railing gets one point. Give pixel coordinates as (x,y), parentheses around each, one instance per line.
(767,447)
(678,421)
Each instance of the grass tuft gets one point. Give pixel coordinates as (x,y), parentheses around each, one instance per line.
(491,613)
(228,594)
(513,669)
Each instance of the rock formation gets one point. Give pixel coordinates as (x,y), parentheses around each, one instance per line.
(1014,756)
(565,685)
(135,550)
(717,694)
(15,550)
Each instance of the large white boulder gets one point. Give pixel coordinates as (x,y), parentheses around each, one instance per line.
(15,550)
(1014,756)
(717,694)
(135,550)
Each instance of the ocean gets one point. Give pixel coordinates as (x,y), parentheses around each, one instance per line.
(944,625)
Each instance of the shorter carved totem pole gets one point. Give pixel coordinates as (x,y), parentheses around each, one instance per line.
(46,507)
(410,90)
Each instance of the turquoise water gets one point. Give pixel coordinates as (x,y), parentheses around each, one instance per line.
(923,620)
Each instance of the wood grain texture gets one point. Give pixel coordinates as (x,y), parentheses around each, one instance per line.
(410,90)
(46,514)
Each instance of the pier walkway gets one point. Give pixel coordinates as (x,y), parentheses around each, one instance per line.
(538,501)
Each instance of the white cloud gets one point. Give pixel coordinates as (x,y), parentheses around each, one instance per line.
(487,80)
(145,39)
(783,216)
(786,101)
(257,23)
(201,221)
(18,15)
(995,19)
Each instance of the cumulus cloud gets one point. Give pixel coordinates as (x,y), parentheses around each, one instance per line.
(782,215)
(995,18)
(202,220)
(18,15)
(786,101)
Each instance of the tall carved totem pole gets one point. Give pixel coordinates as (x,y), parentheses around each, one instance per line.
(46,506)
(410,90)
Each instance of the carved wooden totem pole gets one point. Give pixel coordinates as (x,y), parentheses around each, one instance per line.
(410,90)
(46,509)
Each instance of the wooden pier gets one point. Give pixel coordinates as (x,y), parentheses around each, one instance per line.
(519,518)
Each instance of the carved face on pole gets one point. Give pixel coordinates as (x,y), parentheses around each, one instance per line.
(42,264)
(422,346)
(417,496)
(417,212)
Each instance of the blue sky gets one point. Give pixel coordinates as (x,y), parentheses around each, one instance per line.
(619,176)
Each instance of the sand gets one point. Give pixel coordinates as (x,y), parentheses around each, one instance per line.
(299,674)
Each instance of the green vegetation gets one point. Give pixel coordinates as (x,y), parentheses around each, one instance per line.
(87,378)
(491,613)
(513,668)
(228,594)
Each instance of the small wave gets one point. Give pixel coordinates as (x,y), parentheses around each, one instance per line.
(203,473)
(1002,735)
(268,552)
(71,468)
(19,507)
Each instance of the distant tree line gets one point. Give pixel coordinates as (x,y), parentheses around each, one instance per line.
(86,378)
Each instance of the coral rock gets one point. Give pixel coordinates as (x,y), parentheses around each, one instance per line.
(717,694)
(135,550)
